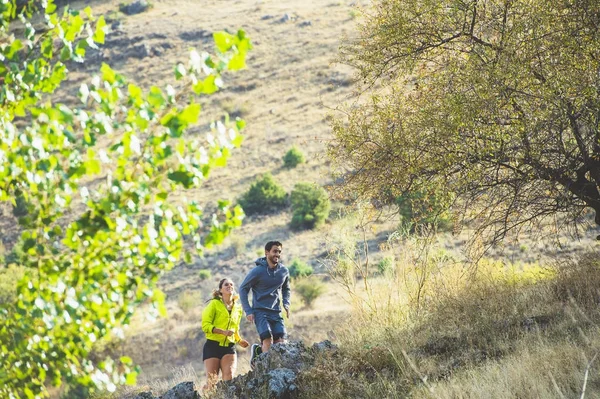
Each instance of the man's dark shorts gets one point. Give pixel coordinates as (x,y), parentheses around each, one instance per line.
(269,325)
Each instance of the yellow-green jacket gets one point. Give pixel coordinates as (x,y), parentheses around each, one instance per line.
(215,314)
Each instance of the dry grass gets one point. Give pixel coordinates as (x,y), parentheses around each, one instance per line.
(507,337)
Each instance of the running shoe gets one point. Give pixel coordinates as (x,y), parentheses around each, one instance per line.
(255,350)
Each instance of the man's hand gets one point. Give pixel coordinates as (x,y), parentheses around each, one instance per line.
(287,312)
(250,318)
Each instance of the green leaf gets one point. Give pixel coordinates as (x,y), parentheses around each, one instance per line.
(126,360)
(15,46)
(156,97)
(66,53)
(108,74)
(206,86)
(135,94)
(190,114)
(75,25)
(47,47)
(223,41)
(179,71)
(184,178)
(237,62)
(100,30)
(50,7)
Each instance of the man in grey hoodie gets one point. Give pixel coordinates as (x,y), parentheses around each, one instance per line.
(269,282)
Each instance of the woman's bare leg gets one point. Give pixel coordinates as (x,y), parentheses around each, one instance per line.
(211,366)
(228,366)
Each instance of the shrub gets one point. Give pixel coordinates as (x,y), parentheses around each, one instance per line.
(309,289)
(264,196)
(204,274)
(385,265)
(310,206)
(300,269)
(293,158)
(421,208)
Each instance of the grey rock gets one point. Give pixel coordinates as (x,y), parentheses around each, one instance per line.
(198,34)
(140,51)
(281,383)
(324,346)
(183,390)
(156,35)
(268,16)
(304,24)
(276,371)
(286,17)
(136,7)
(145,395)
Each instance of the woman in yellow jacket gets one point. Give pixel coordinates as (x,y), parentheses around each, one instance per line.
(221,323)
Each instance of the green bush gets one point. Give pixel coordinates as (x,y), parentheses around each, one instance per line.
(204,274)
(309,289)
(264,196)
(293,158)
(385,265)
(310,206)
(300,269)
(422,208)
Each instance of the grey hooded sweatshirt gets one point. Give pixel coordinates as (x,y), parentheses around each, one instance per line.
(265,284)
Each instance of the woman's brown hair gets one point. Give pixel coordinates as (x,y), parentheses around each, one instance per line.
(217,293)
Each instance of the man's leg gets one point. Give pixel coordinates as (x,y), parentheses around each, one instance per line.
(277,328)
(266,344)
(264,333)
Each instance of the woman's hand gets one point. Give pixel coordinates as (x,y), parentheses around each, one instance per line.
(227,333)
(243,343)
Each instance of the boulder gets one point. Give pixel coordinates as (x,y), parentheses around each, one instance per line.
(183,390)
(276,372)
(136,7)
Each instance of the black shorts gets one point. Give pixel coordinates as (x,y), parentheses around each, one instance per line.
(212,349)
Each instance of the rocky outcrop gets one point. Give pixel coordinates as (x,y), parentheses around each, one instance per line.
(274,376)
(184,390)
(276,372)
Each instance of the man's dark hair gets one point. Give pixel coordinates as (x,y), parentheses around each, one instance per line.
(271,244)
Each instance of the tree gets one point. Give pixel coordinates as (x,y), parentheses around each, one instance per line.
(265,195)
(94,248)
(310,206)
(495,102)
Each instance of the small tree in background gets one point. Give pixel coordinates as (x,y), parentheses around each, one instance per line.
(309,289)
(264,196)
(204,274)
(310,206)
(293,158)
(300,269)
(385,265)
